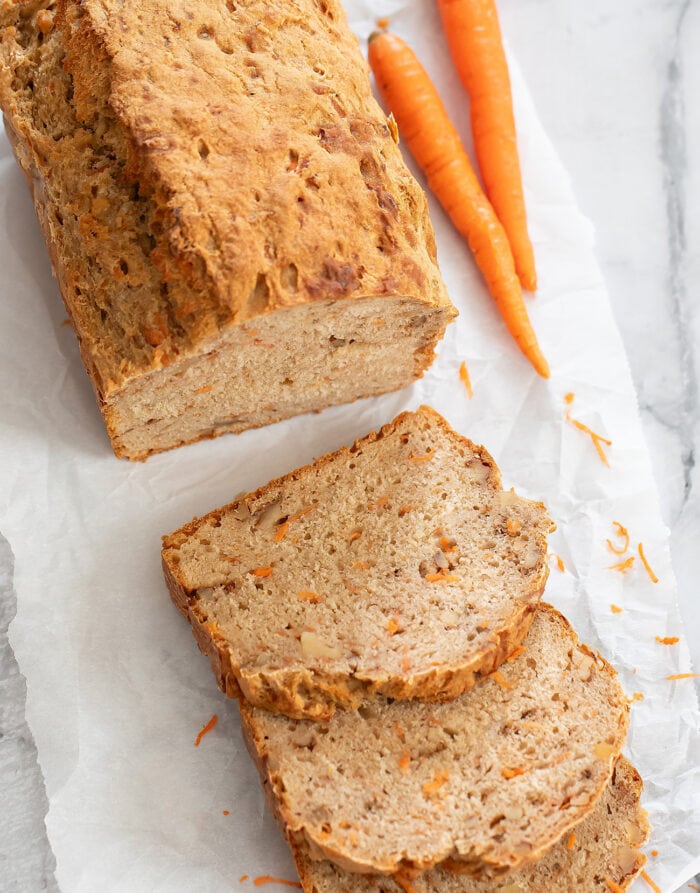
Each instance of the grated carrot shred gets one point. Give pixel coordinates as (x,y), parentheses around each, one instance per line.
(694,887)
(559,562)
(622,566)
(637,696)
(283,528)
(383,23)
(518,651)
(380,503)
(400,733)
(361,565)
(513,526)
(262,571)
(597,439)
(466,380)
(354,536)
(405,761)
(406,664)
(243,877)
(439,779)
(512,772)
(667,640)
(268,879)
(405,509)
(654,854)
(315,598)
(676,676)
(447,545)
(616,609)
(623,533)
(203,390)
(655,887)
(569,398)
(206,728)
(441,577)
(425,458)
(647,566)
(226,812)
(392,626)
(404,883)
(500,680)
(612,886)
(571,842)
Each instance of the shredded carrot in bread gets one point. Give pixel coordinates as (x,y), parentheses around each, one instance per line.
(405,761)
(623,533)
(361,565)
(676,676)
(667,640)
(406,664)
(428,455)
(226,812)
(512,772)
(614,888)
(571,841)
(400,733)
(206,728)
(232,559)
(268,879)
(513,526)
(559,562)
(392,626)
(262,571)
(647,567)
(654,887)
(616,609)
(569,398)
(447,544)
(466,380)
(441,577)
(439,779)
(404,883)
(622,566)
(500,680)
(204,389)
(598,439)
(379,504)
(314,598)
(518,651)
(283,528)
(355,535)
(405,509)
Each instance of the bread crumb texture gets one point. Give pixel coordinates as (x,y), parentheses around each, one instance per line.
(341,792)
(364,573)
(200,169)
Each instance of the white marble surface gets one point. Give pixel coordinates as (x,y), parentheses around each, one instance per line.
(613,83)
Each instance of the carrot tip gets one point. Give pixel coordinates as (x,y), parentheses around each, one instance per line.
(374,35)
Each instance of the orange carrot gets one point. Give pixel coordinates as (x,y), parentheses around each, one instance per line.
(268,879)
(413,100)
(205,729)
(474,38)
(655,887)
(466,380)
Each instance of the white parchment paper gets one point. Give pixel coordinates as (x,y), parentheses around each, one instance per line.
(116,688)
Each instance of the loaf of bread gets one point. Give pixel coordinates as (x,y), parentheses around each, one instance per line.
(235,235)
(398,566)
(482,785)
(601,855)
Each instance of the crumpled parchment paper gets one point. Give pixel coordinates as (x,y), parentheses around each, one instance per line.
(116,688)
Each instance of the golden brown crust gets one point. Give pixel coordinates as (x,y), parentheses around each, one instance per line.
(314,693)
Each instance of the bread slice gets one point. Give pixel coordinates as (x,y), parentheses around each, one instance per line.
(481,785)
(397,566)
(231,223)
(604,847)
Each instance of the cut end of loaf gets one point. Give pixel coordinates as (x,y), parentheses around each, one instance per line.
(483,785)
(301,359)
(396,567)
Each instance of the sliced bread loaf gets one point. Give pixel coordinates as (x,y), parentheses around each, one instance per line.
(398,566)
(482,785)
(604,848)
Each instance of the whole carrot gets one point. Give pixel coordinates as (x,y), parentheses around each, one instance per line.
(409,93)
(474,38)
